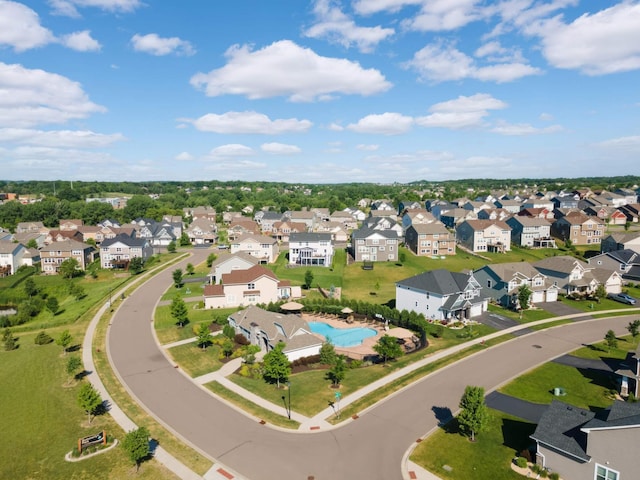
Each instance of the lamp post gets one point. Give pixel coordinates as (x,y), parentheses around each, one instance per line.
(287,406)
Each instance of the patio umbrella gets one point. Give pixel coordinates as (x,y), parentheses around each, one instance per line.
(291,306)
(346,310)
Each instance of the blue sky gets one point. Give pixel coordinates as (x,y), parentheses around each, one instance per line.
(318,91)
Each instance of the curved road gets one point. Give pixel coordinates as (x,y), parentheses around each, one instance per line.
(371,447)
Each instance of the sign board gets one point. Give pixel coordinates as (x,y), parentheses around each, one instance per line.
(338,395)
(86,442)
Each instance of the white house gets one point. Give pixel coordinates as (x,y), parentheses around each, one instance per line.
(117,252)
(310,249)
(264,249)
(11,257)
(227,263)
(441,295)
(484,235)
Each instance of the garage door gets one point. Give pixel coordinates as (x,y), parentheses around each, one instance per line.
(552,295)
(537,297)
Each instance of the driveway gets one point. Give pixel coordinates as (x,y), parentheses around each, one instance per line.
(559,309)
(528,411)
(500,322)
(370,447)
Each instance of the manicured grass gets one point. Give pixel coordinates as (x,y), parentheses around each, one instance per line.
(489,457)
(593,306)
(527,315)
(324,277)
(194,360)
(584,389)
(602,352)
(251,408)
(42,421)
(167,330)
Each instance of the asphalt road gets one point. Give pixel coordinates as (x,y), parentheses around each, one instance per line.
(371,447)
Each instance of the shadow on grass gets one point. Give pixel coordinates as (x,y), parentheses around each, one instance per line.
(600,377)
(515,435)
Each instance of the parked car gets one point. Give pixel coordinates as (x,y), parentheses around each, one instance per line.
(622,298)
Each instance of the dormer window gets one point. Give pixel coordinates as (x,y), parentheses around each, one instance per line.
(251,286)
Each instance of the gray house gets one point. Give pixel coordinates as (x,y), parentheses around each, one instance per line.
(531,232)
(580,444)
(625,262)
(374,245)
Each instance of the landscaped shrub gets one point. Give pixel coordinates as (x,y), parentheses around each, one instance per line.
(310,360)
(554,476)
(250,371)
(521,462)
(526,454)
(240,339)
(42,338)
(355,364)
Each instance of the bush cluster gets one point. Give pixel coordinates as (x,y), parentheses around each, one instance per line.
(42,338)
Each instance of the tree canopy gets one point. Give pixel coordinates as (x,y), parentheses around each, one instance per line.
(473,416)
(276,365)
(388,348)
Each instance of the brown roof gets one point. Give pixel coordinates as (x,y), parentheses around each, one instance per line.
(245,276)
(214,291)
(484,224)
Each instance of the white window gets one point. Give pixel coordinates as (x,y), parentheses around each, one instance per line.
(605,473)
(251,286)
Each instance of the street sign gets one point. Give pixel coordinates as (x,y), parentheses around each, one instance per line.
(92,440)
(338,394)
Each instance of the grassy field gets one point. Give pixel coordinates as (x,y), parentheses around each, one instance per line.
(167,330)
(194,360)
(488,457)
(322,276)
(42,421)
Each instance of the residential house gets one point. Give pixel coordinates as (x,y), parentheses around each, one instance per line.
(582,444)
(484,235)
(174,222)
(630,196)
(266,220)
(579,228)
(454,217)
(338,232)
(416,216)
(499,214)
(476,206)
(202,231)
(347,219)
(607,199)
(55,253)
(159,234)
(118,252)
(25,238)
(625,262)
(241,226)
(255,285)
(356,213)
(565,201)
(503,281)
(542,212)
(264,249)
(632,212)
(621,241)
(228,217)
(441,295)
(570,275)
(55,235)
(430,239)
(408,205)
(322,214)
(629,373)
(383,206)
(195,213)
(11,257)
(369,245)
(282,230)
(31,227)
(310,249)
(384,223)
(267,329)
(227,263)
(303,216)
(512,206)
(71,224)
(531,232)
(538,203)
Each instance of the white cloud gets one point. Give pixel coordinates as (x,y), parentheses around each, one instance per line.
(519,129)
(184,157)
(20,27)
(59,138)
(232,150)
(546,117)
(367,7)
(388,123)
(286,69)
(337,27)
(335,127)
(445,15)
(595,44)
(631,142)
(461,112)
(31,97)
(280,149)
(367,147)
(248,122)
(439,62)
(81,41)
(69,8)
(159,46)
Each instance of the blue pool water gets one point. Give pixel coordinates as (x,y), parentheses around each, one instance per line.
(342,337)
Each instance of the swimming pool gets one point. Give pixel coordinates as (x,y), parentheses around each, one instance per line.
(342,337)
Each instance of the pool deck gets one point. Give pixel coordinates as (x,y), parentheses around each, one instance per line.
(366,348)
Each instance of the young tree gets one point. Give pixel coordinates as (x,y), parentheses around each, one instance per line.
(30,287)
(338,371)
(52,305)
(73,364)
(190,269)
(210,259)
(184,240)
(524,295)
(64,340)
(136,265)
(610,338)
(76,290)
(177,277)
(69,268)
(89,399)
(171,248)
(601,292)
(634,329)
(474,416)
(388,348)
(327,354)
(276,365)
(42,338)
(203,336)
(228,331)
(136,444)
(179,311)
(308,279)
(227,347)
(8,340)
(32,244)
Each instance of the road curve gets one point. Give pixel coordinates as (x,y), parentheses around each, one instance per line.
(371,447)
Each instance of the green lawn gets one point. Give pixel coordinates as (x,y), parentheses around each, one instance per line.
(489,457)
(194,360)
(527,315)
(584,389)
(602,352)
(167,330)
(324,277)
(42,421)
